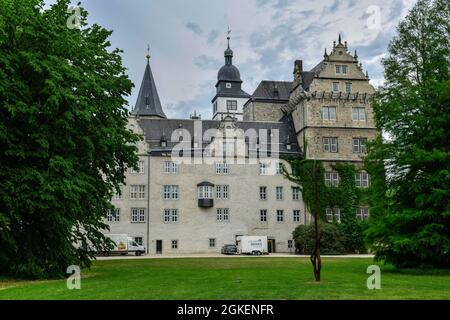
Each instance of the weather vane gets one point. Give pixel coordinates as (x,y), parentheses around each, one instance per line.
(148,52)
(228,32)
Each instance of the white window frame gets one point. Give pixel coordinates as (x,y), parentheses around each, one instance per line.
(331,178)
(362,179)
(327,114)
(170,167)
(279,168)
(232,105)
(138,215)
(174,244)
(223,214)
(222,168)
(205,192)
(296,193)
(358,114)
(170,215)
(333,213)
(280,215)
(362,213)
(263,215)
(263,168)
(262,193)
(141,192)
(212,242)
(359,145)
(279,193)
(296,214)
(113,218)
(330,144)
(134,190)
(222,191)
(171,192)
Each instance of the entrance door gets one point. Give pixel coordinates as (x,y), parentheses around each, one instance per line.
(271,245)
(159,246)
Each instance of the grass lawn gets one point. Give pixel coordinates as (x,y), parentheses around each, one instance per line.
(235,278)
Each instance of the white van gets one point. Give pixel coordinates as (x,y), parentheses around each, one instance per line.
(125,244)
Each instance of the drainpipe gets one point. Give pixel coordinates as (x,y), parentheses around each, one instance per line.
(148,202)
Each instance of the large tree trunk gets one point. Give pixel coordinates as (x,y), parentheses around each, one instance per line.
(315,256)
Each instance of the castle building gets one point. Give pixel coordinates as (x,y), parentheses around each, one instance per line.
(202,183)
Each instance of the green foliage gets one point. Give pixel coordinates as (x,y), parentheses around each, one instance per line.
(63,139)
(410,171)
(331,241)
(345,196)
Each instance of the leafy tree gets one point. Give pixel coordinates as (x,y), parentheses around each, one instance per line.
(331,241)
(63,139)
(410,169)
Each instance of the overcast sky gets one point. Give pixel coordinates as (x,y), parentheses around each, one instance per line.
(187,40)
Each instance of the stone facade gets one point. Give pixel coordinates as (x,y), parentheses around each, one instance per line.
(333,100)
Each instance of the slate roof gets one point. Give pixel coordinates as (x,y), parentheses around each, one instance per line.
(157,129)
(148,103)
(277,90)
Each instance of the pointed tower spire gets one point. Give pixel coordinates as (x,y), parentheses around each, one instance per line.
(148,103)
(339,39)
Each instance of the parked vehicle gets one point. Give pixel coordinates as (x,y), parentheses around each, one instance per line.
(125,244)
(229,249)
(255,245)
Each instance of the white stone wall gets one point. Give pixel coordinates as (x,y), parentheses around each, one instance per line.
(222,108)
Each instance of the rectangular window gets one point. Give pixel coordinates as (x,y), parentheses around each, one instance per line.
(330,144)
(170,215)
(358,114)
(329,113)
(279,168)
(139,240)
(335,87)
(133,192)
(333,214)
(263,168)
(170,167)
(222,191)
(231,105)
(113,217)
(331,179)
(174,244)
(222,168)
(344,69)
(263,215)
(296,215)
(138,215)
(362,213)
(212,242)
(280,216)
(141,193)
(295,193)
(348,87)
(290,244)
(338,69)
(362,179)
(263,193)
(117,195)
(223,215)
(141,165)
(279,193)
(359,145)
(171,192)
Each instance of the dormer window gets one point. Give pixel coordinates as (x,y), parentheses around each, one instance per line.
(163,142)
(228,85)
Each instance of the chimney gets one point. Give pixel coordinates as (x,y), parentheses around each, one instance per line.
(298,70)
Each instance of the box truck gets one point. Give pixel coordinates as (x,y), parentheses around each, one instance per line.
(124,244)
(255,245)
